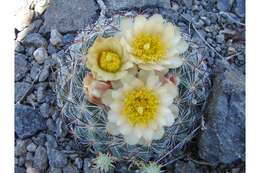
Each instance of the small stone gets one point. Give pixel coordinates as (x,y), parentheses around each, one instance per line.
(240,8)
(51,142)
(29,156)
(21,161)
(56,37)
(35,40)
(70,169)
(33,27)
(68,38)
(44,74)
(220,38)
(56,158)
(187,166)
(79,162)
(40,94)
(51,125)
(19,47)
(40,55)
(32,170)
(224,5)
(20,89)
(29,51)
(188,3)
(51,49)
(35,71)
(20,148)
(40,158)
(55,170)
(61,128)
(21,66)
(20,170)
(28,121)
(45,110)
(31,147)
(86,167)
(41,5)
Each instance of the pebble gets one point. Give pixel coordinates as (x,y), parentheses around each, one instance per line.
(224,5)
(31,147)
(220,38)
(29,51)
(61,128)
(40,55)
(70,169)
(51,125)
(44,74)
(35,40)
(20,170)
(51,49)
(45,110)
(79,162)
(86,166)
(29,156)
(68,38)
(20,89)
(240,8)
(23,18)
(20,148)
(56,37)
(19,47)
(21,66)
(35,71)
(57,158)
(55,170)
(41,5)
(40,158)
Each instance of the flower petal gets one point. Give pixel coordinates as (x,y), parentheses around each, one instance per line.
(158,133)
(131,139)
(112,128)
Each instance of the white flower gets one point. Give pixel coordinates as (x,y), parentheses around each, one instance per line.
(153,43)
(107,59)
(141,108)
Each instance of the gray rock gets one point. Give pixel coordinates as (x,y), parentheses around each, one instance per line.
(20,170)
(61,128)
(20,89)
(78,162)
(240,8)
(56,37)
(29,51)
(40,93)
(126,4)
(33,27)
(40,158)
(45,110)
(224,5)
(21,66)
(86,166)
(55,170)
(31,147)
(28,121)
(35,40)
(56,158)
(220,38)
(35,71)
(51,142)
(29,157)
(20,148)
(51,49)
(51,125)
(223,141)
(44,74)
(23,18)
(188,3)
(69,16)
(40,55)
(19,47)
(184,167)
(70,169)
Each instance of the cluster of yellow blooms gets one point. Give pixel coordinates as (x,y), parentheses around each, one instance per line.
(128,76)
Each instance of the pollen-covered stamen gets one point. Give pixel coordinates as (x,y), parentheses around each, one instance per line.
(141,106)
(149,47)
(109,61)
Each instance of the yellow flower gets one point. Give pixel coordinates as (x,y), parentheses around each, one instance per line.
(107,60)
(141,108)
(153,43)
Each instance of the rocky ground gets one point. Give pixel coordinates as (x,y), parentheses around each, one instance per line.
(44,30)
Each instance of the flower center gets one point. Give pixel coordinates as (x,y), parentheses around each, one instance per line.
(149,47)
(141,106)
(109,61)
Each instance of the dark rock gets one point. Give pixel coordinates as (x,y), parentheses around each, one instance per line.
(56,158)
(19,47)
(51,49)
(35,40)
(40,158)
(28,121)
(35,71)
(20,89)
(44,74)
(126,4)
(61,128)
(86,166)
(69,16)
(31,147)
(68,38)
(240,8)
(224,5)
(21,66)
(70,169)
(79,162)
(45,110)
(223,141)
(20,148)
(184,167)
(20,170)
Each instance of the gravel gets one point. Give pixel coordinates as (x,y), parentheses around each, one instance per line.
(40,158)
(35,40)
(20,89)
(56,37)
(28,121)
(57,158)
(21,66)
(40,55)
